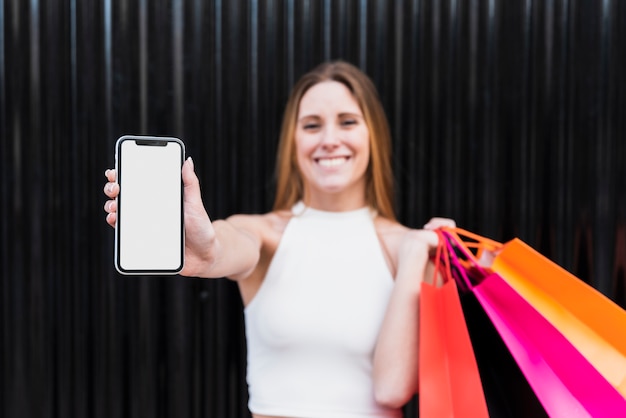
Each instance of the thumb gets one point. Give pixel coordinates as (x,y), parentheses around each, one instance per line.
(191,183)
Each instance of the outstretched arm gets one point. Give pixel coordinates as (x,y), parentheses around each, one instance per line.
(223,248)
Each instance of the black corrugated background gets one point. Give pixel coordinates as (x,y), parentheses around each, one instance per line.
(507,116)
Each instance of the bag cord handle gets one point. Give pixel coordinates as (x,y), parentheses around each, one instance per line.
(442,259)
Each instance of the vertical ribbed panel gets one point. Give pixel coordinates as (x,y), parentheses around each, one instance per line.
(507,116)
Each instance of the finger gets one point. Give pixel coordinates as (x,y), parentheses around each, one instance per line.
(110,206)
(110,174)
(436,223)
(111,189)
(440,221)
(112,219)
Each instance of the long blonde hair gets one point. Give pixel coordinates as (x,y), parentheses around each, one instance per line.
(379,174)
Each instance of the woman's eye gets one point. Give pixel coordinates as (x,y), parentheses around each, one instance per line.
(311,126)
(348,122)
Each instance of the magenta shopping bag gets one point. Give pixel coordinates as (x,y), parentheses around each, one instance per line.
(565,383)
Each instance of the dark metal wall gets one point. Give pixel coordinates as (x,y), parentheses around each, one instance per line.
(507,116)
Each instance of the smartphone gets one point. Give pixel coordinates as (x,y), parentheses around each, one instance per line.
(149,233)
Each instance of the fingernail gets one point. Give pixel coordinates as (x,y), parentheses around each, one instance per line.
(111,187)
(190,161)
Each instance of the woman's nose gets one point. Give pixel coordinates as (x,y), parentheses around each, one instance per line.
(330,136)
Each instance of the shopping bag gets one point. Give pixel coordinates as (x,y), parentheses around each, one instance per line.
(506,390)
(450,385)
(505,387)
(564,381)
(593,323)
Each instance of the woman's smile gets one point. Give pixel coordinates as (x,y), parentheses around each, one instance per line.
(331,162)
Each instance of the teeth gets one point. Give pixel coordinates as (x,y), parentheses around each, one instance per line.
(332,162)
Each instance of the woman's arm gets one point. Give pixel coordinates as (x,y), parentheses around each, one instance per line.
(223,248)
(396,358)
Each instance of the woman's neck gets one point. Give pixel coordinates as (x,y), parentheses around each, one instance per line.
(337,202)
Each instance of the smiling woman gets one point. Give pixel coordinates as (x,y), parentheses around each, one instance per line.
(362,101)
(331,240)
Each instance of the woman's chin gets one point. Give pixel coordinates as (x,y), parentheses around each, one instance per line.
(338,189)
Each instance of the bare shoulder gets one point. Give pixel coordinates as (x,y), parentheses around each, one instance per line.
(405,245)
(397,237)
(267,229)
(390,231)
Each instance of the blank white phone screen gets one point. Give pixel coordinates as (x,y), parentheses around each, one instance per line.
(150,227)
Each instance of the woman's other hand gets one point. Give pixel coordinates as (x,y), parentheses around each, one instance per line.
(436,223)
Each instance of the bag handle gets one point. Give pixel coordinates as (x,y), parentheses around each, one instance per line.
(461,276)
(471,241)
(442,259)
(452,237)
(480,241)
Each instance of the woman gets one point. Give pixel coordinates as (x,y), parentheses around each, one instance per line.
(329,279)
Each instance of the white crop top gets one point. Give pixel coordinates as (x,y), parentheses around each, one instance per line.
(312,326)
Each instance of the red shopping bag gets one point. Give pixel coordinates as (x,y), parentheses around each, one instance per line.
(563,380)
(450,385)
